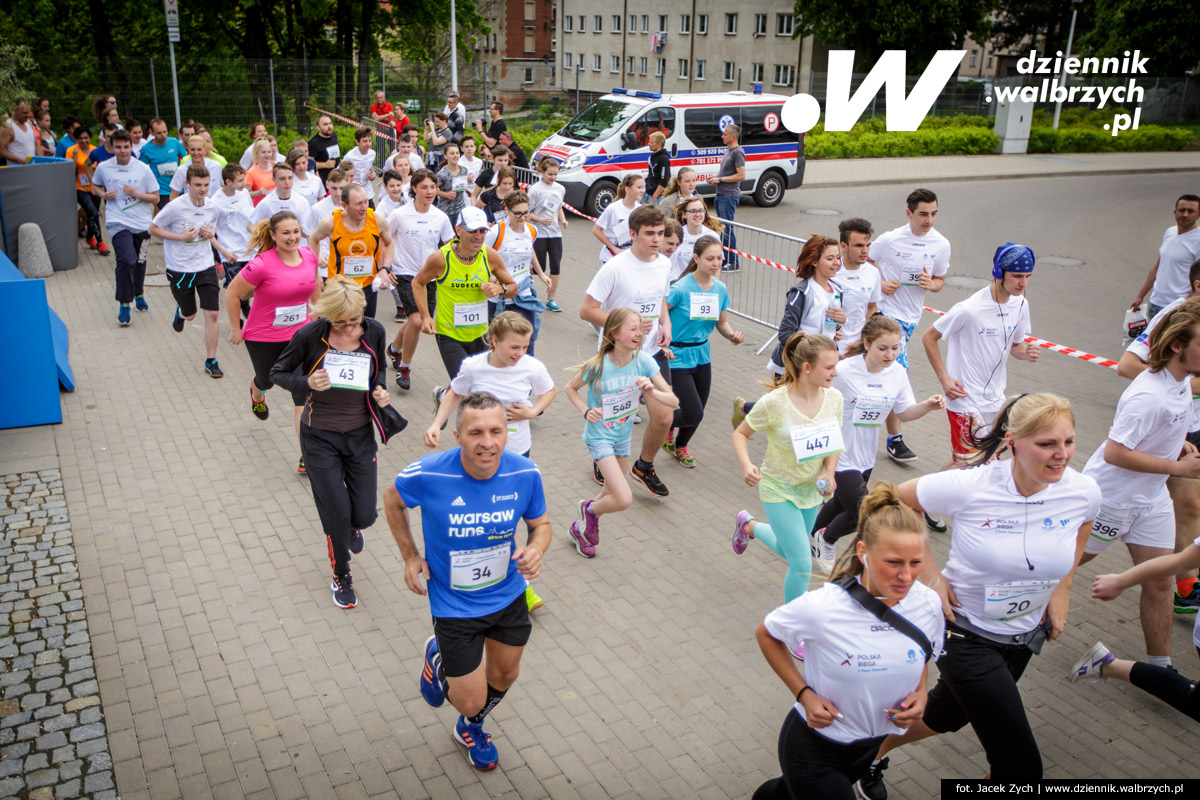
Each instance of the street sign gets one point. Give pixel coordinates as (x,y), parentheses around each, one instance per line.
(172,34)
(172,9)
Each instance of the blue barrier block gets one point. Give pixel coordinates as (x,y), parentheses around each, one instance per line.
(30,396)
(59,335)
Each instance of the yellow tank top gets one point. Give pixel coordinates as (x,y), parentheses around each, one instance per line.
(354,254)
(462,311)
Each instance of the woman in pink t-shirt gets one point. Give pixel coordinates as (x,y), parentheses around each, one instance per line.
(283,280)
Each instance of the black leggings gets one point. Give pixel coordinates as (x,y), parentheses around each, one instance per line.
(1169,686)
(814,766)
(549,253)
(263,356)
(342,472)
(691,387)
(456,351)
(87,201)
(839,515)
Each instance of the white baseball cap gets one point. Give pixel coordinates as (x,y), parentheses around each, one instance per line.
(473,219)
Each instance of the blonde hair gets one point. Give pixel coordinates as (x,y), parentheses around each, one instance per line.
(658,137)
(259,144)
(592,370)
(880,513)
(260,237)
(507,323)
(710,221)
(341,299)
(876,326)
(673,184)
(1178,327)
(802,348)
(1023,416)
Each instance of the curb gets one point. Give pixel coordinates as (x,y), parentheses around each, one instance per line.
(1019,175)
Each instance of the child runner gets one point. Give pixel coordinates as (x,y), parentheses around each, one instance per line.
(260,179)
(391,195)
(550,221)
(697,303)
(681,187)
(492,200)
(672,236)
(696,221)
(612,227)
(304,183)
(362,157)
(453,183)
(468,161)
(515,240)
(614,377)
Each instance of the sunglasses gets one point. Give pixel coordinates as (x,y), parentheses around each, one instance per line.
(349,324)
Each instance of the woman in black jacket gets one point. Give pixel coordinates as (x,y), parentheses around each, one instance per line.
(338,359)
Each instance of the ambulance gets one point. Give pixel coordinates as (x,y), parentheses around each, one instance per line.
(609,139)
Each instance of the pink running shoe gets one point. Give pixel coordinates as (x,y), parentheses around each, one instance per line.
(585,548)
(589,522)
(741,537)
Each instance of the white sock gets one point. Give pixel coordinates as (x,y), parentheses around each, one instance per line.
(1158,661)
(404,364)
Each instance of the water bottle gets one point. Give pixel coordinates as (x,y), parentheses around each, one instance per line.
(829,325)
(822,486)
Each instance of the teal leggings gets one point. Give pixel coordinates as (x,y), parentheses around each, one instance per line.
(786,533)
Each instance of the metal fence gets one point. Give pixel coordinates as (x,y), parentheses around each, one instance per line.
(758,290)
(1166,99)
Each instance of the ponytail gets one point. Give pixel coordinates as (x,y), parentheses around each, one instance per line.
(260,237)
(878,325)
(626,182)
(1024,415)
(800,349)
(879,513)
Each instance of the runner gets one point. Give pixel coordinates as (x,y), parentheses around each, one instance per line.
(362,157)
(681,187)
(492,200)
(304,183)
(876,607)
(135,130)
(912,260)
(873,386)
(515,240)
(187,226)
(418,229)
(697,302)
(336,361)
(550,221)
(638,279)
(695,221)
(802,418)
(466,273)
(474,566)
(469,162)
(612,227)
(1179,249)
(283,198)
(393,193)
(259,131)
(260,176)
(131,191)
(358,245)
(324,211)
(283,279)
(453,182)
(234,208)
(1146,444)
(858,278)
(813,304)
(79,153)
(404,155)
(197,150)
(1001,601)
(619,372)
(501,157)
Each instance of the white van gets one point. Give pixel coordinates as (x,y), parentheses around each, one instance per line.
(608,140)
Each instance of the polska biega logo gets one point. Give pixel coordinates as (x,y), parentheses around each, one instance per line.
(802,112)
(358,249)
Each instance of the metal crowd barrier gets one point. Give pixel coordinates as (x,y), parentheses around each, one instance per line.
(757,292)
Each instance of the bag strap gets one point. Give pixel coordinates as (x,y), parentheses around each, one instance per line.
(499,236)
(884,613)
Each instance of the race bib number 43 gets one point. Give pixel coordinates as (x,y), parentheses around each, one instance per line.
(348,370)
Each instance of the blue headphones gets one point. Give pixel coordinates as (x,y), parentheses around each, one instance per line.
(1012,257)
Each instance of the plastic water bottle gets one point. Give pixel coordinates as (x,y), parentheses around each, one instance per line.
(829,325)
(822,486)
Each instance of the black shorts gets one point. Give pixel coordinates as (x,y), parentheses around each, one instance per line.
(460,640)
(187,286)
(263,356)
(1194,438)
(232,268)
(163,199)
(403,293)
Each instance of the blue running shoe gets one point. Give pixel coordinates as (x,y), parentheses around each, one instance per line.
(480,750)
(123,315)
(431,684)
(140,302)
(357,543)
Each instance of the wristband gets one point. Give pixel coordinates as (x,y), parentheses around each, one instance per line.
(585,412)
(801,692)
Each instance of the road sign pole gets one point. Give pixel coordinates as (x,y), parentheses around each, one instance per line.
(171,11)
(175,88)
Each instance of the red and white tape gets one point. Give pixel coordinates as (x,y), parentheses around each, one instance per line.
(349,121)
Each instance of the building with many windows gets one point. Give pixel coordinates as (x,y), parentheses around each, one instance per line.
(519,53)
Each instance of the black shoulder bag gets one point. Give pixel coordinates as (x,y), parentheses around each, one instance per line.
(884,613)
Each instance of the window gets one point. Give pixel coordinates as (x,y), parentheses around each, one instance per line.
(553,43)
(784,74)
(614,65)
(530,40)
(633,23)
(530,9)
(493,42)
(642,65)
(596,62)
(754,130)
(685,24)
(645,23)
(656,120)
(582,23)
(567,61)
(597,24)
(702,24)
(699,70)
(683,68)
(760,24)
(756,73)
(662,23)
(529,75)
(731,24)
(569,23)
(629,66)
(579,62)
(660,66)
(974,57)
(702,125)
(727,72)
(616,26)
(785,24)
(991,61)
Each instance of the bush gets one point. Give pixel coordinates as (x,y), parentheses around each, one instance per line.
(1147,138)
(877,142)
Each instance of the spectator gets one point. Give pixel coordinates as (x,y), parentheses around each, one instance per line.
(660,168)
(19,135)
(439,135)
(41,104)
(45,135)
(518,155)
(382,113)
(728,181)
(101,104)
(456,113)
(401,118)
(491,137)
(324,147)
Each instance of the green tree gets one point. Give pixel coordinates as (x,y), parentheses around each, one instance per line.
(1040,24)
(1164,30)
(15,59)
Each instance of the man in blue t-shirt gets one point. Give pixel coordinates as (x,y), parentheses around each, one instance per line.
(472,499)
(162,153)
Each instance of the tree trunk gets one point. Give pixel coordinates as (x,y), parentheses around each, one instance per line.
(345,49)
(365,48)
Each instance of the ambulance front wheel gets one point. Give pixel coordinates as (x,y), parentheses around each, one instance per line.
(600,195)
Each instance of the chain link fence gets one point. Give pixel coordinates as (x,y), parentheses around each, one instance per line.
(1166,100)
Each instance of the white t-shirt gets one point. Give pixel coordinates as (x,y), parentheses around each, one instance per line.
(473,166)
(683,253)
(1007,552)
(126,212)
(900,255)
(1153,417)
(860,288)
(137,150)
(1140,347)
(272,205)
(179,179)
(232,215)
(510,385)
(320,212)
(417,236)
(979,333)
(628,281)
(516,249)
(363,163)
(545,201)
(614,221)
(414,161)
(247,159)
(817,300)
(311,189)
(384,205)
(869,397)
(176,217)
(858,663)
(1176,255)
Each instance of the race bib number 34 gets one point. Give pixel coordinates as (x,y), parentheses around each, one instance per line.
(472,570)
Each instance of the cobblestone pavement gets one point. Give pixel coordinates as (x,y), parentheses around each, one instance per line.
(225,670)
(53,742)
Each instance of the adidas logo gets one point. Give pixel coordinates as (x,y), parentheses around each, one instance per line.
(458,501)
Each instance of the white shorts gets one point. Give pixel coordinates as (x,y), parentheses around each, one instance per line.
(1152,526)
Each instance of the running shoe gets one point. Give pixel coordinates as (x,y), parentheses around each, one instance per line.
(480,750)
(431,678)
(935,524)
(685,457)
(532,601)
(213,368)
(597,475)
(590,522)
(741,537)
(395,356)
(1089,666)
(102,248)
(259,408)
(177,323)
(637,418)
(649,479)
(898,451)
(585,548)
(399,316)
(553,306)
(732,268)
(140,302)
(828,550)
(343,591)
(91,242)
(123,317)
(739,411)
(357,542)
(1188,604)
(403,377)
(817,547)
(669,444)
(301,469)
(870,785)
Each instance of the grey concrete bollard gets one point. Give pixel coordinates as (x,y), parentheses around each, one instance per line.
(31,247)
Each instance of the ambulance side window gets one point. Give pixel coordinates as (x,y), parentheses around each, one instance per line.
(703,125)
(656,119)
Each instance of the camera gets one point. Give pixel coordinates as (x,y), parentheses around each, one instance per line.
(482,121)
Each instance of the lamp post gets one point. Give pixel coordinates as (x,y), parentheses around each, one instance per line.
(1062,72)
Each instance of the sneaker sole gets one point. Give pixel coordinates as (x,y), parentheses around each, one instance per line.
(1073,676)
(902,460)
(470,760)
(1185,610)
(644,485)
